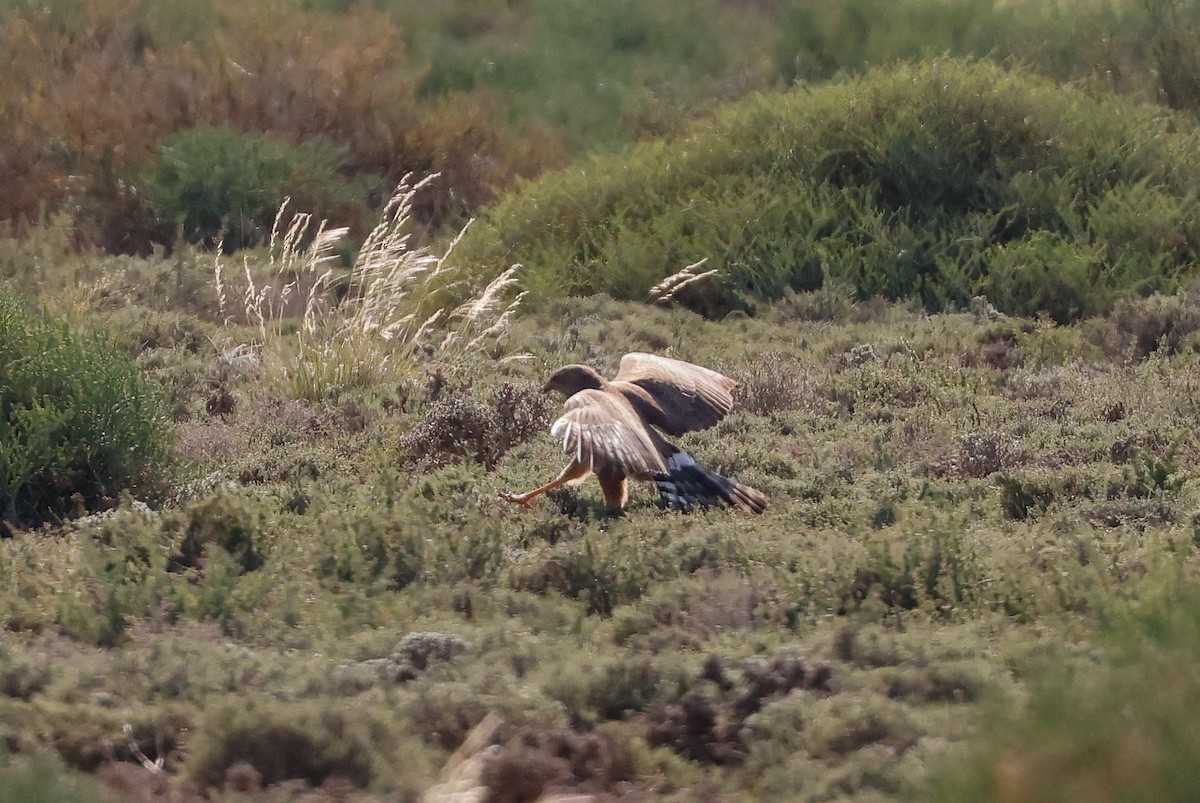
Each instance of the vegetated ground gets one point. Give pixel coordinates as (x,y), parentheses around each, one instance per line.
(336,597)
(975,577)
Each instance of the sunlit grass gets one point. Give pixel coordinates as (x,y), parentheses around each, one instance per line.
(388,318)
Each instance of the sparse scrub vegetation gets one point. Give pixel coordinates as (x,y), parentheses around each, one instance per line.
(43,778)
(1067,740)
(923,517)
(535,760)
(279,743)
(264,557)
(1138,327)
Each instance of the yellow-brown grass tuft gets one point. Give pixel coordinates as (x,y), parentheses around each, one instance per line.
(370,326)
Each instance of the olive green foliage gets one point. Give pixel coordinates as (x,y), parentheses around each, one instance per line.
(820,40)
(484,93)
(1136,48)
(1118,727)
(654,60)
(939,182)
(42,779)
(984,513)
(213,185)
(956,500)
(280,743)
(79,423)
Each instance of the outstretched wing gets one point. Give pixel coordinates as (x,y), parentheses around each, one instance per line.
(683,397)
(603,432)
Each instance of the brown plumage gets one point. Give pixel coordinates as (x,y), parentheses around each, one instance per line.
(609,428)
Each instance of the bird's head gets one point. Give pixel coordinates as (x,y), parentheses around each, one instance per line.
(570,379)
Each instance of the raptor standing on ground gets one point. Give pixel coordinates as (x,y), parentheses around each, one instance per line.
(608,429)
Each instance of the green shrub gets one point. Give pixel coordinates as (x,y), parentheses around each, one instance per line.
(1142,326)
(938,181)
(281,742)
(445,718)
(388,549)
(1147,475)
(617,688)
(1118,728)
(78,422)
(1172,27)
(537,759)
(213,184)
(86,737)
(44,779)
(939,570)
(230,522)
(121,558)
(604,576)
(22,679)
(1148,48)
(1045,273)
(1025,496)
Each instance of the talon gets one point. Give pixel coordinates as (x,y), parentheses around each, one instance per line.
(517,499)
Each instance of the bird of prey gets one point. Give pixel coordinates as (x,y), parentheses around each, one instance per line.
(610,428)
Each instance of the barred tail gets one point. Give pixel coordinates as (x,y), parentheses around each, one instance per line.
(686,484)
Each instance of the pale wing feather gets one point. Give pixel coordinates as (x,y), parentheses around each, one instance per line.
(689,396)
(601,431)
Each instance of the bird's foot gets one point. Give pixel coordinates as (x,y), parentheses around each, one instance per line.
(524,500)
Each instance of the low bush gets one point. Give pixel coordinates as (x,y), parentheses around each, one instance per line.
(280,742)
(939,181)
(1026,496)
(86,737)
(21,680)
(1142,326)
(769,384)
(385,549)
(938,571)
(226,521)
(602,575)
(711,721)
(79,422)
(616,688)
(463,426)
(211,184)
(537,759)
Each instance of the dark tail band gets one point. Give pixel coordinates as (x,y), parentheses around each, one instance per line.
(686,484)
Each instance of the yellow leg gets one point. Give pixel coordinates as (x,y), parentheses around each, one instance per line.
(616,491)
(572,472)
